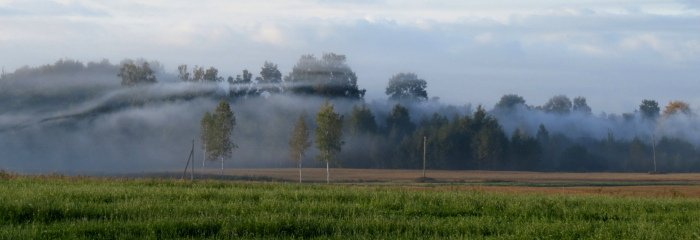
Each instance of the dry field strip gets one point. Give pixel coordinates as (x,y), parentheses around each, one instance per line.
(512,182)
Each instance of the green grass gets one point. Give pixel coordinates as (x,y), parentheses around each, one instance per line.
(57,207)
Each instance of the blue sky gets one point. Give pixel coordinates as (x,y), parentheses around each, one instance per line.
(615,53)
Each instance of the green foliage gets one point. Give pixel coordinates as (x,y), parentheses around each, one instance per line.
(406,87)
(299,141)
(558,104)
(270,79)
(207,131)
(216,131)
(329,133)
(244,85)
(182,73)
(329,76)
(362,121)
(509,102)
(398,123)
(649,109)
(212,75)
(581,106)
(133,74)
(156,209)
(525,150)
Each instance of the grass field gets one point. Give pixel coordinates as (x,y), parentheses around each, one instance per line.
(606,184)
(59,207)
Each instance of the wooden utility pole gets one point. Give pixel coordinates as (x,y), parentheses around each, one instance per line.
(191,156)
(653,146)
(424,141)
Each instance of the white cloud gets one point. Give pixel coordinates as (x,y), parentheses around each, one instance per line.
(667,48)
(589,49)
(269,33)
(528,42)
(484,38)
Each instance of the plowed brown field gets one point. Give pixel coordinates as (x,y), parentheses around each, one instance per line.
(646,185)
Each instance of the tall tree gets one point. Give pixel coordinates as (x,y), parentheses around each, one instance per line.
(182,73)
(243,85)
(329,76)
(206,135)
(222,123)
(649,109)
(197,74)
(509,102)
(524,149)
(581,106)
(676,107)
(362,121)
(133,74)
(270,79)
(489,142)
(406,87)
(211,75)
(329,133)
(558,104)
(299,142)
(398,123)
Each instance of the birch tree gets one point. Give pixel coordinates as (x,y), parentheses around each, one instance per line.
(299,142)
(329,133)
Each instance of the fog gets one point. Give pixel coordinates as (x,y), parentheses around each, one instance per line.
(47,126)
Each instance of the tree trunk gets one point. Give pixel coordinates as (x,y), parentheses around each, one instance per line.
(222,167)
(204,159)
(328,174)
(299,167)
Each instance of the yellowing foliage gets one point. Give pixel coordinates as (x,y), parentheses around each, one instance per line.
(675,107)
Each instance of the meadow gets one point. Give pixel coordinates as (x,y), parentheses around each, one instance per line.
(61,207)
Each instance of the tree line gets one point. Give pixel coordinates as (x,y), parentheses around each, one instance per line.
(474,141)
(372,137)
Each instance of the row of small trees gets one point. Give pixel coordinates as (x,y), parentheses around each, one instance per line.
(216,130)
(329,133)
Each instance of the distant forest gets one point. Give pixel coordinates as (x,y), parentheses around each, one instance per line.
(116,107)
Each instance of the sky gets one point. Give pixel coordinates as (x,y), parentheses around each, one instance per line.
(614,53)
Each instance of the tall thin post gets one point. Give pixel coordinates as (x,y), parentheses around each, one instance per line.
(192,155)
(188,164)
(328,174)
(204,159)
(653,146)
(222,168)
(424,140)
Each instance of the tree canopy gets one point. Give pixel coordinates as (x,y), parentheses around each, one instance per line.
(509,102)
(362,120)
(406,87)
(329,133)
(133,74)
(270,79)
(649,109)
(558,104)
(329,76)
(217,130)
(676,107)
(581,106)
(299,140)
